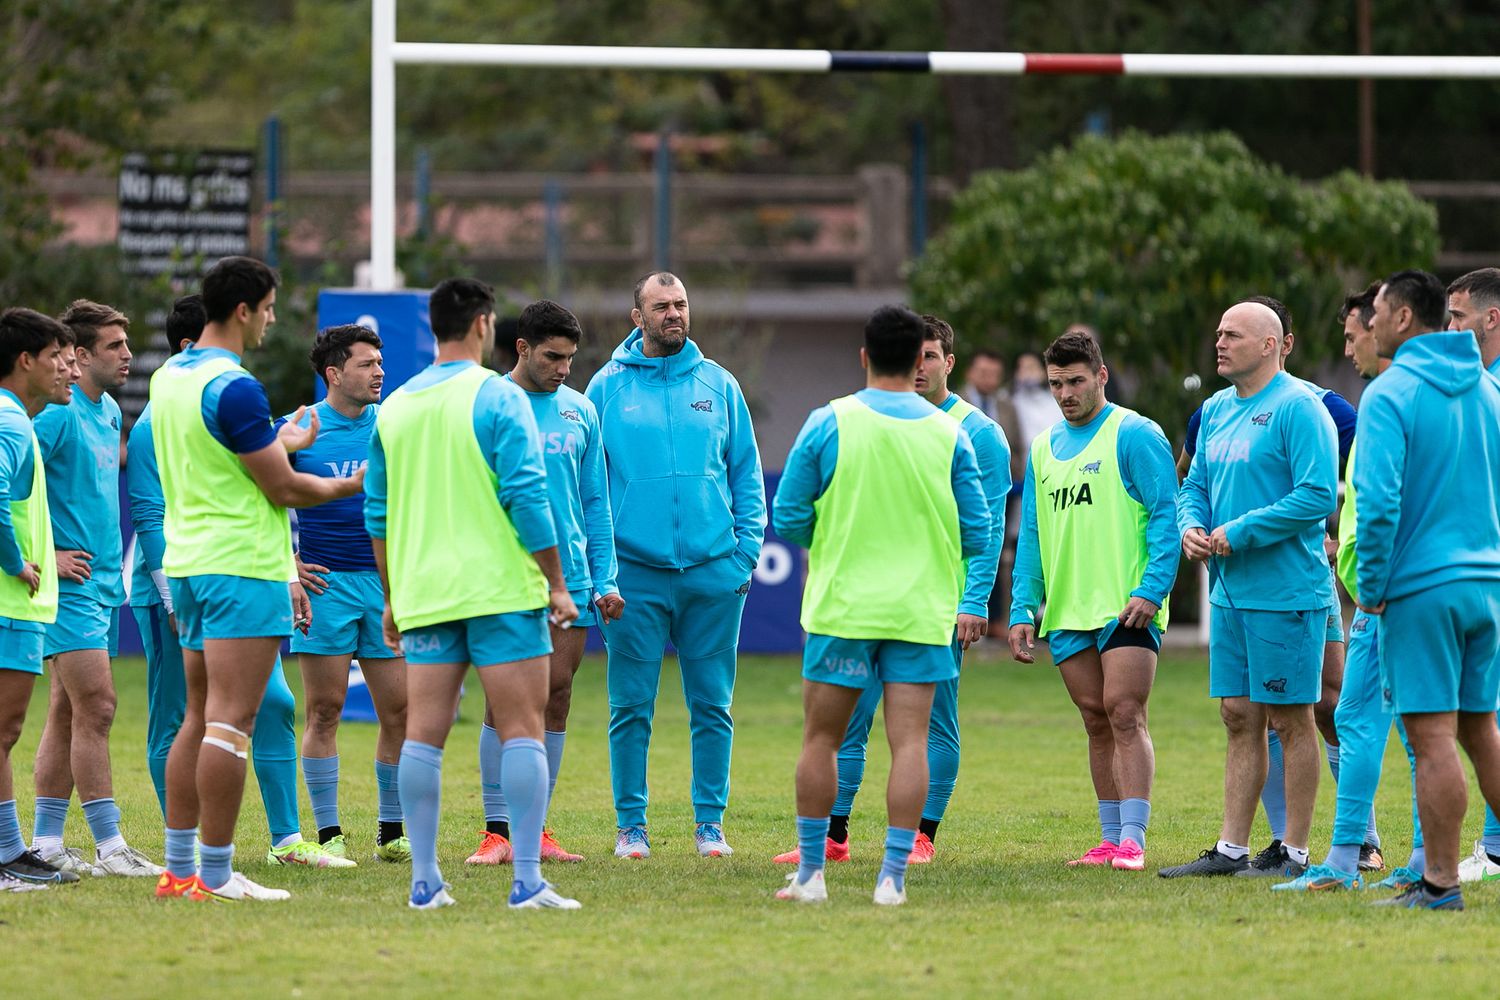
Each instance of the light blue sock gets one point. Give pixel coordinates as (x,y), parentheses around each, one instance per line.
(181,861)
(215,865)
(1109,820)
(12,846)
(1331,751)
(1273,792)
(1134,815)
(388,805)
(1343,858)
(523,765)
(1418,860)
(898,845)
(812,845)
(273,754)
(51,816)
(491,786)
(420,776)
(554,742)
(158,768)
(322,777)
(103,817)
(1491,838)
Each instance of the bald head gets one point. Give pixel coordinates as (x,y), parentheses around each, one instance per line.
(1247,345)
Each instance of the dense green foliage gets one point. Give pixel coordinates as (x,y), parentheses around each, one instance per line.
(1150,239)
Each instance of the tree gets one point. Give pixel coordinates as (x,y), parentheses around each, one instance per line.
(1149,240)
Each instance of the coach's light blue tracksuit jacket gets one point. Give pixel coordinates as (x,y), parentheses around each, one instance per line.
(689,514)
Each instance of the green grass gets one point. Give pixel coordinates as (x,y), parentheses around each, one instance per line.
(997,914)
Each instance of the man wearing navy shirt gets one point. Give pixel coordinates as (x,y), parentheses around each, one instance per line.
(336,565)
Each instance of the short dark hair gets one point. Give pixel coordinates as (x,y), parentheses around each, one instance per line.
(1482,285)
(663,278)
(1074,348)
(1361,304)
(334,345)
(236,280)
(985,352)
(454,303)
(893,340)
(1283,314)
(938,330)
(1423,293)
(545,319)
(26,331)
(186,321)
(87,318)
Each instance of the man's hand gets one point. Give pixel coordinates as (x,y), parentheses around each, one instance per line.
(1220,542)
(1195,545)
(31,575)
(73,564)
(1330,547)
(1138,613)
(611,607)
(172,621)
(388,630)
(301,609)
(1378,609)
(971,628)
(1023,642)
(562,612)
(293,436)
(310,576)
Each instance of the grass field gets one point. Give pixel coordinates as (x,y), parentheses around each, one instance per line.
(997,914)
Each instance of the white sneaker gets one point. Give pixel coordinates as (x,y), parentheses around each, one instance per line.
(129,862)
(632,842)
(710,840)
(422,899)
(8,884)
(814,890)
(1478,867)
(886,893)
(70,859)
(256,891)
(545,898)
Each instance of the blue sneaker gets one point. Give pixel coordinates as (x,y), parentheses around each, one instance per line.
(1419,898)
(710,840)
(1402,878)
(632,842)
(1320,878)
(424,898)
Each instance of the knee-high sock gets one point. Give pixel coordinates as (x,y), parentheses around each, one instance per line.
(388,793)
(852,751)
(555,743)
(1273,792)
(166,693)
(492,785)
(942,751)
(898,845)
(321,774)
(420,778)
(273,753)
(523,765)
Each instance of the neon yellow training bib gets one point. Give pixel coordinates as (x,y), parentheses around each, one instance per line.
(31,519)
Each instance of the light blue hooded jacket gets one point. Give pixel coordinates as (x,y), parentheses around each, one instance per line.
(1427,470)
(684,471)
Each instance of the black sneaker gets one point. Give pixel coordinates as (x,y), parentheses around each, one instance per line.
(1273,862)
(1419,897)
(29,868)
(1210,862)
(1370,859)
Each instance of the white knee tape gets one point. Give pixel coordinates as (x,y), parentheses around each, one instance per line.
(227,738)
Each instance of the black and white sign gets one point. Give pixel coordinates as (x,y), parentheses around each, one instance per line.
(181,210)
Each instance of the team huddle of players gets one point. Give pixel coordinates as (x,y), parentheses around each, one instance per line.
(479,520)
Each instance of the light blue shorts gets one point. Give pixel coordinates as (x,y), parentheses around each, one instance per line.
(489,639)
(213,606)
(1440,648)
(346,618)
(588,613)
(859,663)
(21,645)
(1271,657)
(1068,643)
(1335,631)
(82,623)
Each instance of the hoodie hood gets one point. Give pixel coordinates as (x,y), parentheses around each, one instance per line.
(1448,361)
(662,371)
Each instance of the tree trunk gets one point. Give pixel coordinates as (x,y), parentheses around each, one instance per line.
(980,107)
